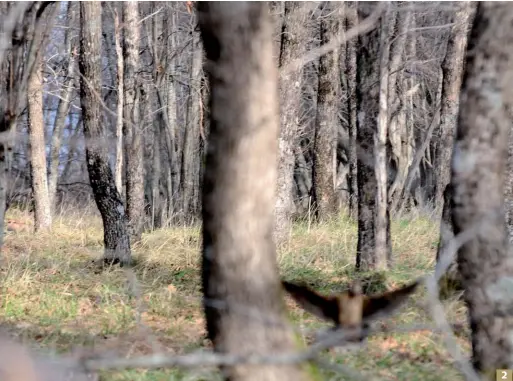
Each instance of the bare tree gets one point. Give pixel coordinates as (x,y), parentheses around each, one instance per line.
(324,150)
(63,106)
(190,152)
(132,124)
(369,256)
(42,209)
(292,47)
(173,178)
(382,247)
(20,21)
(106,195)
(351,20)
(478,167)
(240,273)
(401,90)
(452,71)
(118,166)
(452,75)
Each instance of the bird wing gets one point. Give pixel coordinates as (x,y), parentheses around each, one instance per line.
(321,306)
(384,304)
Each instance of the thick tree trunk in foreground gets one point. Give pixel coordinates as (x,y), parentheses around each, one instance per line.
(132,124)
(42,208)
(108,200)
(452,71)
(368,255)
(508,188)
(478,167)
(239,261)
(292,47)
(326,121)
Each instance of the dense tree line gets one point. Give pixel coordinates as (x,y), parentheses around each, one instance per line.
(167,114)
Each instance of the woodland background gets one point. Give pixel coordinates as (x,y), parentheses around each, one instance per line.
(107,113)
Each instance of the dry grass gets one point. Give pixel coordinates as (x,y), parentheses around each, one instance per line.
(53,298)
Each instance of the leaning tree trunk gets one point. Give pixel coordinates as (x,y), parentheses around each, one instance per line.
(292,47)
(108,200)
(368,255)
(134,142)
(478,167)
(42,208)
(452,72)
(326,121)
(239,261)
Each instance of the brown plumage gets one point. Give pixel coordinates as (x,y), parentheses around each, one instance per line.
(350,309)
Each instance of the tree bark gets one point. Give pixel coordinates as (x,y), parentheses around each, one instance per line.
(326,121)
(508,188)
(401,91)
(368,255)
(452,71)
(108,200)
(42,208)
(133,132)
(190,152)
(478,167)
(118,166)
(351,22)
(239,270)
(383,247)
(292,47)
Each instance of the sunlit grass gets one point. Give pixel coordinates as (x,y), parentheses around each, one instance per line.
(54,298)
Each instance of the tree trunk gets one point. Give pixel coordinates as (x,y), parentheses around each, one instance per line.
(118,166)
(326,121)
(450,282)
(452,71)
(508,187)
(401,90)
(133,132)
(383,248)
(42,208)
(351,22)
(239,260)
(171,140)
(62,109)
(190,153)
(292,47)
(478,168)
(173,131)
(368,255)
(108,200)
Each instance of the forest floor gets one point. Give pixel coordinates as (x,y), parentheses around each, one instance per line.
(53,299)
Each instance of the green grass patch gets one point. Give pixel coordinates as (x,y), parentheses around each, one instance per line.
(52,297)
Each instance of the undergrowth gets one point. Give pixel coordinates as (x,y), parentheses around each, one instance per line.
(53,298)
